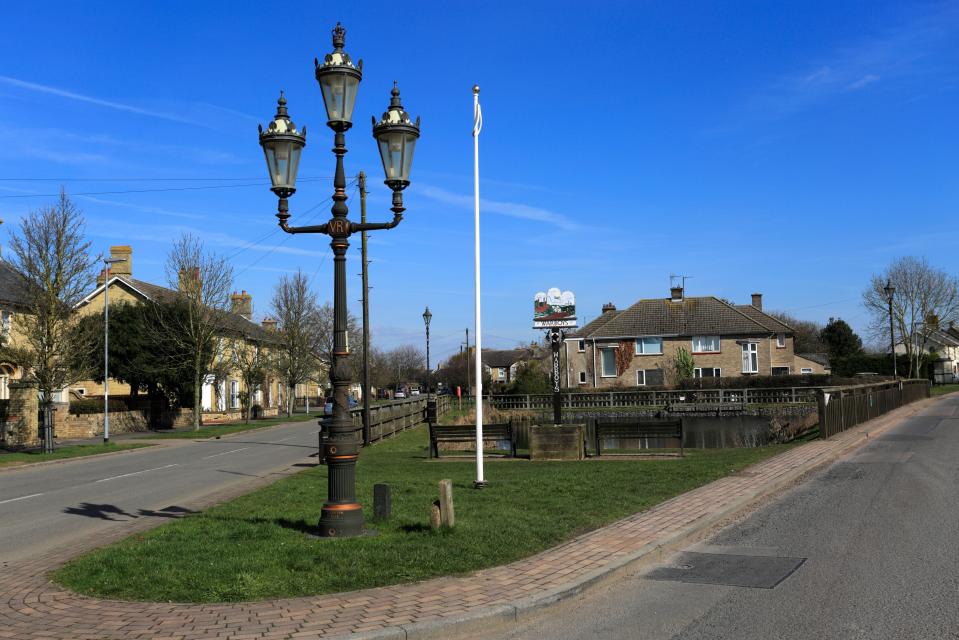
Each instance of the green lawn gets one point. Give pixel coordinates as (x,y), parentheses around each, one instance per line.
(943,389)
(214,430)
(256,547)
(74,451)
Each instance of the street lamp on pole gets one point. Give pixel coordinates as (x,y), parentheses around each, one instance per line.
(106,346)
(890,290)
(396,135)
(427,316)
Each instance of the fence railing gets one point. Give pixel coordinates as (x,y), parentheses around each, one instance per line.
(842,408)
(614,399)
(391,418)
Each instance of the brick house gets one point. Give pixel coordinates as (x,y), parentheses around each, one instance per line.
(638,345)
(501,366)
(217,396)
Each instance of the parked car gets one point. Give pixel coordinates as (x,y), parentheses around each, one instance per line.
(415,392)
(328,405)
(399,395)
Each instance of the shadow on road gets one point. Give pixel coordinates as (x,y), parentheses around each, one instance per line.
(108,511)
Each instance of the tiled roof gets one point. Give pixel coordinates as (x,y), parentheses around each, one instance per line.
(231,321)
(593,325)
(706,315)
(13,290)
(766,320)
(818,358)
(505,358)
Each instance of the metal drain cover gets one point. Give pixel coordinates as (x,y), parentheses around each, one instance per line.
(757,572)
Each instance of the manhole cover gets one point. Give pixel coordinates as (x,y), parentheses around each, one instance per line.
(757,572)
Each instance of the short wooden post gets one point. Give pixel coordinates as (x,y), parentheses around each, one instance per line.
(447,518)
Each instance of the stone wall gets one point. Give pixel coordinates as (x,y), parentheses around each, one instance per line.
(22,422)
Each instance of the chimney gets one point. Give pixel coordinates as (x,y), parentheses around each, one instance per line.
(269,324)
(676,294)
(242,304)
(758,301)
(609,307)
(190,281)
(125,268)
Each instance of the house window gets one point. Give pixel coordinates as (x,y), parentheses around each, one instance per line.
(581,346)
(750,357)
(234,394)
(780,340)
(654,377)
(780,371)
(582,377)
(805,371)
(641,378)
(501,373)
(705,344)
(707,372)
(608,359)
(649,346)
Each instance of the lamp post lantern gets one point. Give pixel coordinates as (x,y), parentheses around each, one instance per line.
(396,134)
(890,290)
(106,346)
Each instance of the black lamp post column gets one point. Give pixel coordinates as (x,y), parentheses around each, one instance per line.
(396,134)
(890,290)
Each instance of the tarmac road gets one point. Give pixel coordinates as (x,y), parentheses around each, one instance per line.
(48,506)
(866,548)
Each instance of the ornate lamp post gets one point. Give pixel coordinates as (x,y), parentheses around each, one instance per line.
(396,134)
(889,289)
(427,316)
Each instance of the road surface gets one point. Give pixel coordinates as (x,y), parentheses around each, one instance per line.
(866,548)
(45,507)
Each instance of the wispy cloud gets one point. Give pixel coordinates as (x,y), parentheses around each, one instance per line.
(70,95)
(910,50)
(511,209)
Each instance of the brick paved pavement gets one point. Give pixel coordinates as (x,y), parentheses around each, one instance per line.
(31,607)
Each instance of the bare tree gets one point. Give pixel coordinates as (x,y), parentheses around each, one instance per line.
(52,255)
(324,334)
(202,281)
(924,295)
(253,362)
(405,364)
(297,359)
(805,333)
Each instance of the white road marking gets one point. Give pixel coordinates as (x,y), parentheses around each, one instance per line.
(224,453)
(135,473)
(284,439)
(32,495)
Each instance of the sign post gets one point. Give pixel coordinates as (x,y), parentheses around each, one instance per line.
(555,310)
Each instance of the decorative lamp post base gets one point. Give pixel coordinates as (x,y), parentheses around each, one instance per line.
(341,521)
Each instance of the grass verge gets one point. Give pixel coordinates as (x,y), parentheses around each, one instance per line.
(256,547)
(214,430)
(19,458)
(943,389)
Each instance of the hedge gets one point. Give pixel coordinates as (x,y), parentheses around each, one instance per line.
(85,407)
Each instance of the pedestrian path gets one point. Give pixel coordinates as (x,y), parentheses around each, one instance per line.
(31,607)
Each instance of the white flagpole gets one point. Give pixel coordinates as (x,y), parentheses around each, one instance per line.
(477,127)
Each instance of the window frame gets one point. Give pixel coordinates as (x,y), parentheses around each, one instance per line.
(805,371)
(786,367)
(719,344)
(582,377)
(581,346)
(638,373)
(639,347)
(714,369)
(750,349)
(234,395)
(602,363)
(780,340)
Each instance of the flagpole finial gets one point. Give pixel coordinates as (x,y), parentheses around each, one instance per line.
(476,89)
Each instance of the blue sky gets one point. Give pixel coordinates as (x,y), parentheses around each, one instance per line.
(788,148)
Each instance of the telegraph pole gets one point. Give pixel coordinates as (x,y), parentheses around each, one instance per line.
(366,317)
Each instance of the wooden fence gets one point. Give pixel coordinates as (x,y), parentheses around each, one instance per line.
(391,418)
(614,399)
(842,408)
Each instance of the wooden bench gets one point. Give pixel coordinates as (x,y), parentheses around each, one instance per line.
(638,430)
(467,433)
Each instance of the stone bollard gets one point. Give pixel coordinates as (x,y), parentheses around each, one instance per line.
(382,502)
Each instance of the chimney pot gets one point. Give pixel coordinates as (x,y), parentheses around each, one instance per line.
(758,301)
(609,307)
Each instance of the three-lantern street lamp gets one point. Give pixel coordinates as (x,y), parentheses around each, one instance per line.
(282,143)
(890,290)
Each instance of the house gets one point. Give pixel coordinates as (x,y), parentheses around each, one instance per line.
(945,343)
(502,366)
(807,363)
(221,394)
(638,345)
(13,301)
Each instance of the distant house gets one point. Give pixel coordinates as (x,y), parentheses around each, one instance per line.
(636,347)
(13,301)
(502,366)
(945,344)
(807,363)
